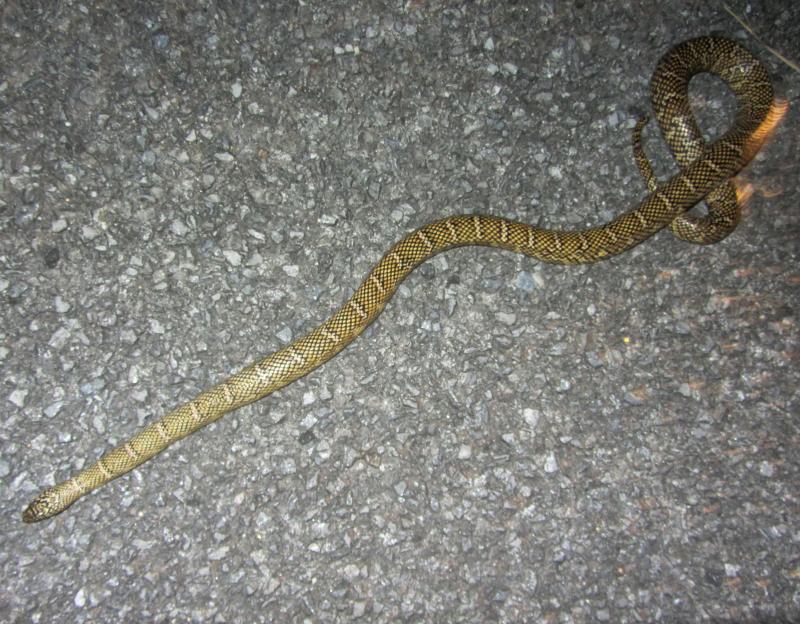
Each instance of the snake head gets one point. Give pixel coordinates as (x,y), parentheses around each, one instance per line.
(38,510)
(54,500)
(44,506)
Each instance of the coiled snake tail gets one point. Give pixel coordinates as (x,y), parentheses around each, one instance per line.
(704,169)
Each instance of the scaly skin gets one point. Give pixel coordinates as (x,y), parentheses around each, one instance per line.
(706,173)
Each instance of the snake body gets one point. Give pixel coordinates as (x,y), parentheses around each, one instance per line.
(706,172)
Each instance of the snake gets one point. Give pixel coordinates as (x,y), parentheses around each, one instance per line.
(705,173)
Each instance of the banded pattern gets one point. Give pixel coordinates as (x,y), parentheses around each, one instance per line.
(705,170)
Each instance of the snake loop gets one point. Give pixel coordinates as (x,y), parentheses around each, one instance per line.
(705,173)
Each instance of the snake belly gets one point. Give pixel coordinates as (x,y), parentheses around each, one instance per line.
(706,172)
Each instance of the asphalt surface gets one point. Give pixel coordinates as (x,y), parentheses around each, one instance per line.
(184,189)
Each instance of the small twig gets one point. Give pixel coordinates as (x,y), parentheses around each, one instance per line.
(777,54)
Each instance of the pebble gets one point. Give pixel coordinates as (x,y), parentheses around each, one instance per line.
(61,305)
(80,598)
(59,338)
(89,233)
(507,318)
(53,409)
(178,227)
(17,397)
(531,417)
(234,258)
(525,282)
(285,335)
